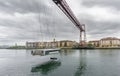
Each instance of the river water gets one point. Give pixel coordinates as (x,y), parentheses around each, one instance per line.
(69,63)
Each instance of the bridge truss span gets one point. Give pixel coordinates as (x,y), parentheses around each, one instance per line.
(62,4)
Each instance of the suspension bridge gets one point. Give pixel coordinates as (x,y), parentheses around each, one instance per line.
(62,4)
(64,7)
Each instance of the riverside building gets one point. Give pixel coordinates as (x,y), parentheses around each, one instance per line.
(57,44)
(108,42)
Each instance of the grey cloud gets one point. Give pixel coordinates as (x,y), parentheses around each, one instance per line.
(26,6)
(103,3)
(46,23)
(99,30)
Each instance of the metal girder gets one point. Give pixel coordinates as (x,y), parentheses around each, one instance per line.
(62,4)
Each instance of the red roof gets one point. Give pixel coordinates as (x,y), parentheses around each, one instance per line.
(110,38)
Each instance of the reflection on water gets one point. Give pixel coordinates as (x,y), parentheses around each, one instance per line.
(46,67)
(66,52)
(49,66)
(72,63)
(82,67)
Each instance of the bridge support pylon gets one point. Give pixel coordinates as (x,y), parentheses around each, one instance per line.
(83,37)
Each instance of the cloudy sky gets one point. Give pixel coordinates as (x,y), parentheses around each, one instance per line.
(42,20)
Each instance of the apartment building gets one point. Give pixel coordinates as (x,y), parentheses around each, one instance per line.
(57,44)
(107,42)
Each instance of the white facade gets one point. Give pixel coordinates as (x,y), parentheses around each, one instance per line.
(110,42)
